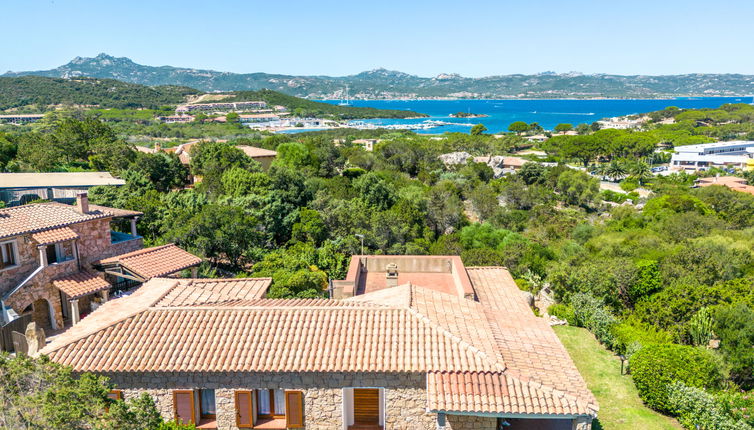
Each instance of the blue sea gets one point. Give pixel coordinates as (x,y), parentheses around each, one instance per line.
(548,113)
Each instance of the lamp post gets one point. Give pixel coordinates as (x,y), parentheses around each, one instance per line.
(361,236)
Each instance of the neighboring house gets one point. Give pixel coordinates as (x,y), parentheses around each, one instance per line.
(21,118)
(20,188)
(49,251)
(417,342)
(265,157)
(734,154)
(367,144)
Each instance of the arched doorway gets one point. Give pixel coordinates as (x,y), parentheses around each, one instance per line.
(42,314)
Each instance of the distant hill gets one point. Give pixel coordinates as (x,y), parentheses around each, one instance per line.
(39,93)
(43,92)
(383,83)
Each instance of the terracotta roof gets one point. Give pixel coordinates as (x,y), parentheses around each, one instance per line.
(154,262)
(54,235)
(253,151)
(492,356)
(279,335)
(216,291)
(80,284)
(488,392)
(37,217)
(529,346)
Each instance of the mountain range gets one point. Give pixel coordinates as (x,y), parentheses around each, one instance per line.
(388,84)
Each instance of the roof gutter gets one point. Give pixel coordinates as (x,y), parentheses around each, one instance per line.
(506,415)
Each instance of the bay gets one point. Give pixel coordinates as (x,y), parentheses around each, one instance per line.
(547,112)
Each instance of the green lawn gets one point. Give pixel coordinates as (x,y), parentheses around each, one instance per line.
(620,406)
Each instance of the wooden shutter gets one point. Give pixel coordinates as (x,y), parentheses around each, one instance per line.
(366,406)
(243,409)
(183,406)
(294,409)
(115,395)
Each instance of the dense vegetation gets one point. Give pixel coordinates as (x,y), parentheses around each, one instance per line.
(41,394)
(665,280)
(40,93)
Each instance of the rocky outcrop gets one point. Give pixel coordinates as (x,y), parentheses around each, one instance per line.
(455,158)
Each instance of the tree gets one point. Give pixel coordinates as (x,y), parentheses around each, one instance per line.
(577,188)
(535,127)
(225,234)
(563,127)
(37,393)
(734,325)
(641,171)
(518,127)
(615,170)
(478,130)
(375,191)
(583,128)
(233,118)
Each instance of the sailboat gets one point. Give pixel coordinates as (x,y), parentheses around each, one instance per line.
(345,102)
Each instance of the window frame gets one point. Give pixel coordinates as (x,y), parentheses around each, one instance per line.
(272,415)
(14,254)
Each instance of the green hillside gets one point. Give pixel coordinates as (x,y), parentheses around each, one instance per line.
(42,93)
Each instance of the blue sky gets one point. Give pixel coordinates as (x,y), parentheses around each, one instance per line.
(473,38)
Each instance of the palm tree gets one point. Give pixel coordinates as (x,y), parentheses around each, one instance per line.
(615,170)
(641,171)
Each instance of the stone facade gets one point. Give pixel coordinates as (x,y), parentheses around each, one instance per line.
(405,396)
(94,243)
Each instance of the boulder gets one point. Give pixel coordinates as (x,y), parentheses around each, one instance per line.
(455,158)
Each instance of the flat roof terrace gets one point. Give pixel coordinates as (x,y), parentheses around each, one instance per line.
(371,273)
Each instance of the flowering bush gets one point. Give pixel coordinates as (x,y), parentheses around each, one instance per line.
(697,409)
(738,404)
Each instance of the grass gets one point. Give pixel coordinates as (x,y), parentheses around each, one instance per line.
(620,406)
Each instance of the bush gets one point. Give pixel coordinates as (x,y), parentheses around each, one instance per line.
(655,366)
(563,311)
(633,334)
(629,185)
(591,313)
(738,404)
(697,409)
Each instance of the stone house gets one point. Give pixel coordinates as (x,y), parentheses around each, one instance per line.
(462,352)
(49,251)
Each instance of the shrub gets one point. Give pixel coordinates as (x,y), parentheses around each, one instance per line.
(734,325)
(590,312)
(632,334)
(628,185)
(655,366)
(697,409)
(738,404)
(563,311)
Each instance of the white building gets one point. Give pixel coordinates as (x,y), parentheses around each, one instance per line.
(736,154)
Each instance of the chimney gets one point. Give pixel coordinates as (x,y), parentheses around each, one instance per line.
(391,275)
(157,147)
(82,203)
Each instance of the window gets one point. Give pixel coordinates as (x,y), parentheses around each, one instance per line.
(183,406)
(271,403)
(8,255)
(287,407)
(207,404)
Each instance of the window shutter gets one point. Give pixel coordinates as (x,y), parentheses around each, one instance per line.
(294,409)
(183,406)
(115,395)
(243,409)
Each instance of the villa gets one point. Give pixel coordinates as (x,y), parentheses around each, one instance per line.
(734,154)
(20,188)
(50,256)
(406,342)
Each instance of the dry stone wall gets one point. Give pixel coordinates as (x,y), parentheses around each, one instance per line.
(405,396)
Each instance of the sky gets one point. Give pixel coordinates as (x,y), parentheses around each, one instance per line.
(426,38)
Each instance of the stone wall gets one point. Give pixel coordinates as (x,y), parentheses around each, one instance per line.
(94,243)
(405,396)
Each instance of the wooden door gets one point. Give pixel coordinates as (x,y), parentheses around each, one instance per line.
(366,406)
(183,406)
